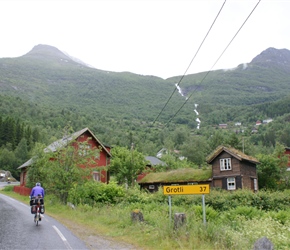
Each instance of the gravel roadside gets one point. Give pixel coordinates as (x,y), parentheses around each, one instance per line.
(94,241)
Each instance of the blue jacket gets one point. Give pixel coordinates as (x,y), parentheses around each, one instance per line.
(37,190)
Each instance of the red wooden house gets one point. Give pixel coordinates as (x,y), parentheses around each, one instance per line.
(84,135)
(287,152)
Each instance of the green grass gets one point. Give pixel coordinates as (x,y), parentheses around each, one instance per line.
(178,175)
(233,229)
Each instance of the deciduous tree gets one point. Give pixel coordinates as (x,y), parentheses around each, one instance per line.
(126,164)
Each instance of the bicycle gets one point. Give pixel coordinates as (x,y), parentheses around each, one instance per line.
(37,208)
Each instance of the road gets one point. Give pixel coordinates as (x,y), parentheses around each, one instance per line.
(4,183)
(18,230)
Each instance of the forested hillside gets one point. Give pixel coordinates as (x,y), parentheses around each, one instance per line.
(45,91)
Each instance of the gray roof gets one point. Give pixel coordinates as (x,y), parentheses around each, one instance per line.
(26,164)
(155,161)
(53,147)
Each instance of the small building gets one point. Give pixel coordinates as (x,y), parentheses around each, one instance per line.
(267,121)
(152,164)
(184,176)
(258,123)
(232,169)
(223,126)
(84,135)
(287,152)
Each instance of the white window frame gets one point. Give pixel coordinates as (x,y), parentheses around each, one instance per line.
(225,164)
(255,184)
(83,149)
(96,176)
(231,183)
(98,155)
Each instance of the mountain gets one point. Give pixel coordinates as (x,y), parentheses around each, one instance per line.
(49,79)
(265,79)
(46,52)
(272,57)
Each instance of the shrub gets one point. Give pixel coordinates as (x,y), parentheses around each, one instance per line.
(135,195)
(8,188)
(210,213)
(96,192)
(282,216)
(243,211)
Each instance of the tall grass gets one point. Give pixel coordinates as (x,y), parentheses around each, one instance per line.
(232,227)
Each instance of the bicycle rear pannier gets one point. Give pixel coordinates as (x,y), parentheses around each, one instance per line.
(33,209)
(42,209)
(32,202)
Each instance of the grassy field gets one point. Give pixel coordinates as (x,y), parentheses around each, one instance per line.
(237,228)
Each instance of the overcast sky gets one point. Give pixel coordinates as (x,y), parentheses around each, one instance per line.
(152,37)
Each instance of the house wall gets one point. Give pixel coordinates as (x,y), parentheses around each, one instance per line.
(249,173)
(103,159)
(23,176)
(216,166)
(151,187)
(287,152)
(244,172)
(218,183)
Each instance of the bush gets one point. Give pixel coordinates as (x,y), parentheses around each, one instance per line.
(282,216)
(8,188)
(265,200)
(92,193)
(211,214)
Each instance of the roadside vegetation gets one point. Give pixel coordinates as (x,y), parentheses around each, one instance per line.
(234,220)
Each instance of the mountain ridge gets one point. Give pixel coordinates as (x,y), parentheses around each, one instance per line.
(45,75)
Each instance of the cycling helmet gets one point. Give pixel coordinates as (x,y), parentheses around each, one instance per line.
(38,184)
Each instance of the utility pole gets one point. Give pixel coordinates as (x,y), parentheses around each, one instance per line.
(132,163)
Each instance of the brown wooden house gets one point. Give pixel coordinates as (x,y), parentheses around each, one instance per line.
(232,169)
(102,160)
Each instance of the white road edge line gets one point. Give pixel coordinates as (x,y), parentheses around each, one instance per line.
(62,237)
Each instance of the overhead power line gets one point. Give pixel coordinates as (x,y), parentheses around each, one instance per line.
(190,62)
(214,63)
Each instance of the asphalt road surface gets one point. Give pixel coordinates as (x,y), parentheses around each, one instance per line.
(4,183)
(18,230)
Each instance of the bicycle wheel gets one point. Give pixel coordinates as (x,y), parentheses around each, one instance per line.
(37,216)
(36,219)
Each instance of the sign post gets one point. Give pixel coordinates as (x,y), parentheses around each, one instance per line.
(203,210)
(169,203)
(187,189)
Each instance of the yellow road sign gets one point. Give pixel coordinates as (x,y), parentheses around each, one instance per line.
(186,189)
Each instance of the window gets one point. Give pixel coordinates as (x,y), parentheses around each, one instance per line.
(97,156)
(225,164)
(255,185)
(96,176)
(231,183)
(83,149)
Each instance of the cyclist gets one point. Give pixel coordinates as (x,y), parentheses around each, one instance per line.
(37,191)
